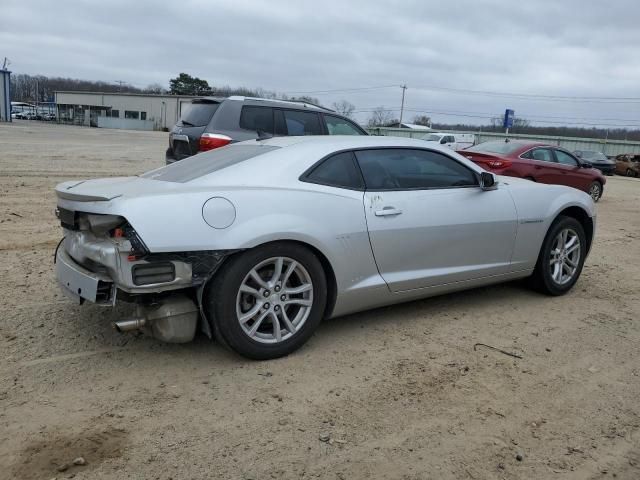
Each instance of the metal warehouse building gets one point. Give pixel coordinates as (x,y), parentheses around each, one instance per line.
(132,111)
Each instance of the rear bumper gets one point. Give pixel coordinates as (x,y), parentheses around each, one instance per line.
(180,147)
(169,157)
(80,284)
(92,268)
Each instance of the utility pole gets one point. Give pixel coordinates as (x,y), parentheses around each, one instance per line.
(403,87)
(120,83)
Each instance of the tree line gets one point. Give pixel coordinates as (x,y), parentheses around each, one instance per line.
(40,89)
(382,117)
(554,131)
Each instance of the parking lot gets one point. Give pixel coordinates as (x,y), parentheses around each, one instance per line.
(398,392)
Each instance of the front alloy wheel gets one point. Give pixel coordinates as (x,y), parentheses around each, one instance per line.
(561,257)
(565,256)
(595,190)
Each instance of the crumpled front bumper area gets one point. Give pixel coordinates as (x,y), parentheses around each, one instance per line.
(94,268)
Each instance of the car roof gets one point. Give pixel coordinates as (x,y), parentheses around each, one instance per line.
(290,156)
(257,101)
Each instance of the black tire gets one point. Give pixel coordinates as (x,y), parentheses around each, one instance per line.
(630,173)
(542,279)
(222,293)
(595,186)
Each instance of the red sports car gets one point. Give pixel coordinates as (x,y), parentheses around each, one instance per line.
(538,162)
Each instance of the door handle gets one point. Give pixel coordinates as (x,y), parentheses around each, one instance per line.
(387,211)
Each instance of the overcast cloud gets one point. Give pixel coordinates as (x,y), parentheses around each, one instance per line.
(565,48)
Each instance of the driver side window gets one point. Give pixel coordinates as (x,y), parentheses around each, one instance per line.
(408,169)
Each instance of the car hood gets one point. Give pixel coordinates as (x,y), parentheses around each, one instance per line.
(105,189)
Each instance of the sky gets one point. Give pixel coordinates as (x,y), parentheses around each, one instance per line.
(569,62)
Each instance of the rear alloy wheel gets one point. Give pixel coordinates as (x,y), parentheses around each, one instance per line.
(631,173)
(267,302)
(274,300)
(595,190)
(561,258)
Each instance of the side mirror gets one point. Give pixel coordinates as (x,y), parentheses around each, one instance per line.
(488,181)
(586,165)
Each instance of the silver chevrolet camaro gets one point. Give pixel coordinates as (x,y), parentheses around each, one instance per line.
(258,241)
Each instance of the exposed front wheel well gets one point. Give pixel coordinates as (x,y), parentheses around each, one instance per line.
(585,220)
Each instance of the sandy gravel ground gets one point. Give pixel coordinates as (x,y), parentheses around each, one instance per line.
(398,392)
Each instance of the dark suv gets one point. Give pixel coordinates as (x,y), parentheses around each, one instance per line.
(211,122)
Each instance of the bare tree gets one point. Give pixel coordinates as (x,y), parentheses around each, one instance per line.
(380,117)
(344,108)
(422,120)
(155,88)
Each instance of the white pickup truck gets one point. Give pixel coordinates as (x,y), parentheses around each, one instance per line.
(455,141)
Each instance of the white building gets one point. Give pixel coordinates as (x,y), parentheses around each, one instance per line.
(132,111)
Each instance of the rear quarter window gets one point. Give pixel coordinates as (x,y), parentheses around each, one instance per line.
(302,123)
(257,118)
(339,171)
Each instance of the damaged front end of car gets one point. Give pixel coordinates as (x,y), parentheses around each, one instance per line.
(101,259)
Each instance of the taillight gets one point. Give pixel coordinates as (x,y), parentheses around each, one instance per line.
(209,141)
(499,163)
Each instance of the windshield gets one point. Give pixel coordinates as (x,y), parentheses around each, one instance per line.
(198,114)
(504,148)
(205,163)
(593,155)
(432,137)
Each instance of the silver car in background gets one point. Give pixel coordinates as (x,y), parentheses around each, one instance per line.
(258,241)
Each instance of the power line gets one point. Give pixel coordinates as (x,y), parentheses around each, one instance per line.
(492,115)
(520,115)
(341,90)
(564,98)
(462,91)
(120,83)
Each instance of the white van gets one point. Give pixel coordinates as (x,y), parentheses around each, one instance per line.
(455,141)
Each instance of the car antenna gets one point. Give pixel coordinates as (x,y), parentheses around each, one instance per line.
(262,135)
